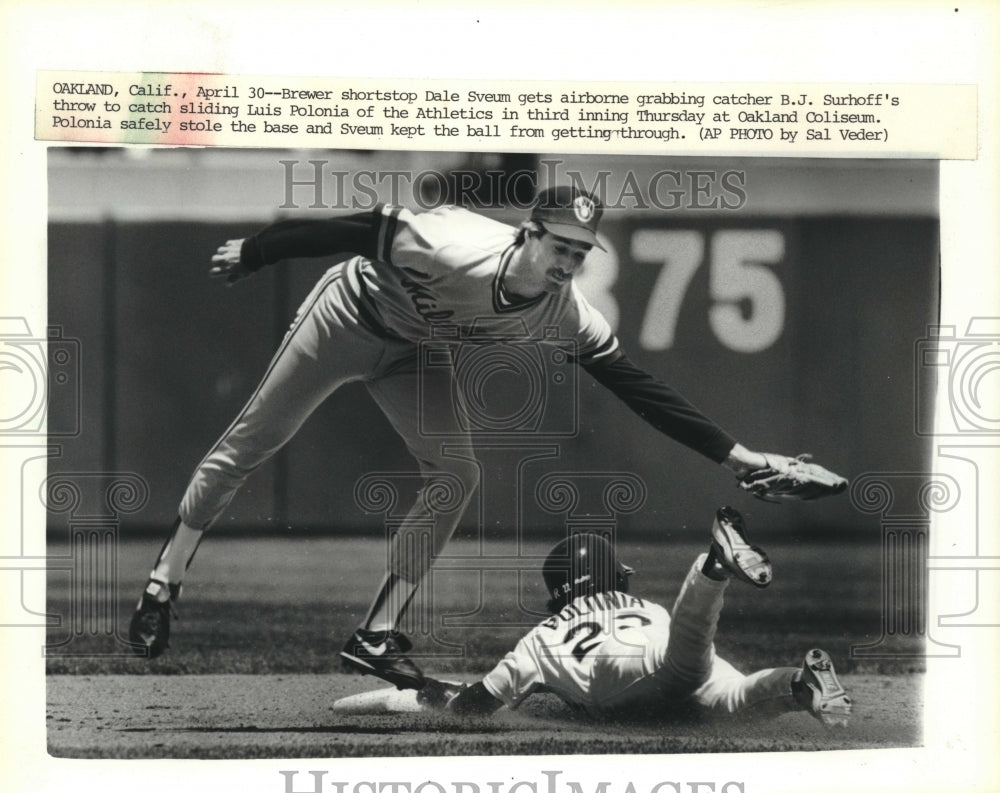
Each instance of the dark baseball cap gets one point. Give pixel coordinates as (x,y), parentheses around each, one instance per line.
(569,212)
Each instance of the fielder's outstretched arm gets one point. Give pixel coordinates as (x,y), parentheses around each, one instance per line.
(662,406)
(291,239)
(671,413)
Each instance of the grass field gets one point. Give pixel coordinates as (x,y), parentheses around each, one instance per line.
(252,668)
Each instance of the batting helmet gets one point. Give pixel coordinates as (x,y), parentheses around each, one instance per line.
(582,564)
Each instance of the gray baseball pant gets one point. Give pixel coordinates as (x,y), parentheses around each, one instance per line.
(329,344)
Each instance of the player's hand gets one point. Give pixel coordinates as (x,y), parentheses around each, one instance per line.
(227,264)
(741,461)
(436,694)
(778,462)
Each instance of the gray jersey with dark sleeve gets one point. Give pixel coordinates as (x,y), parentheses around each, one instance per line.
(447,266)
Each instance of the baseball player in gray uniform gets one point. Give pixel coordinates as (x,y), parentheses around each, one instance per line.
(610,652)
(365,320)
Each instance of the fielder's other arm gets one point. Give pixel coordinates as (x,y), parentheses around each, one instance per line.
(292,239)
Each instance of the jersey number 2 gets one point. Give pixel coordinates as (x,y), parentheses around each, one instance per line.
(587,642)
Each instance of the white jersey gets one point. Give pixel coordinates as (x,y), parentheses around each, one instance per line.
(594,653)
(446,267)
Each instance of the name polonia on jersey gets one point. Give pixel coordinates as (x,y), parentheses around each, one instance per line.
(603,603)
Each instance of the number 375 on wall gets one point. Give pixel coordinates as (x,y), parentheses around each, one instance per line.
(747,312)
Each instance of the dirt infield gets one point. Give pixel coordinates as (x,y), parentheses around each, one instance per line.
(256,716)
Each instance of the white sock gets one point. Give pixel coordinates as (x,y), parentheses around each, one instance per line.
(176,554)
(390,603)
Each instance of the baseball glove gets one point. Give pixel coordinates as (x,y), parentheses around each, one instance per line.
(792,479)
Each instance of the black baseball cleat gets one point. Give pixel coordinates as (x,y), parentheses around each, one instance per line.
(382,654)
(729,543)
(149,630)
(824,697)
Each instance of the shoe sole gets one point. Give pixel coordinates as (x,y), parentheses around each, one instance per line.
(749,563)
(830,703)
(399,679)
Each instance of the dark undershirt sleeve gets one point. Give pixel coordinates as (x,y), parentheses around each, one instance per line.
(662,406)
(290,239)
(475,700)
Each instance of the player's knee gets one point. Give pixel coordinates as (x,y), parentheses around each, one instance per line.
(688,674)
(450,489)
